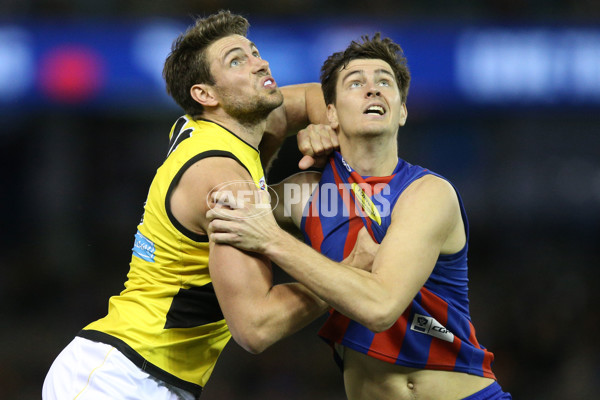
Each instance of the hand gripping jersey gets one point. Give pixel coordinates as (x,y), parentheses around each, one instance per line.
(435,331)
(167,320)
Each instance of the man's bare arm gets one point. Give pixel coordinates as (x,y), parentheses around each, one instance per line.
(290,199)
(426,221)
(257,312)
(303,105)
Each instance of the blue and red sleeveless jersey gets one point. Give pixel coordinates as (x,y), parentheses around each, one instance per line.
(435,331)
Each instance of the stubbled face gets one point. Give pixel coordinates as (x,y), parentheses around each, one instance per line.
(368,101)
(243,82)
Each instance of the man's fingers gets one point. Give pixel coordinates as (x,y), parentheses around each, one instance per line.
(325,139)
(223,213)
(304,143)
(317,139)
(333,137)
(306,162)
(217,213)
(316,142)
(223,237)
(226,199)
(219,225)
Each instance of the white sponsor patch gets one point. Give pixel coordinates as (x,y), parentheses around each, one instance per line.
(430,326)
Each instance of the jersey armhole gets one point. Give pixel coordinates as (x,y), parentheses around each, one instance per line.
(211,153)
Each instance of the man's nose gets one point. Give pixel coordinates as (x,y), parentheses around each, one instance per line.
(373,93)
(260,65)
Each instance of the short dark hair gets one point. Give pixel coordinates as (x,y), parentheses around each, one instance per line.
(187,65)
(370,48)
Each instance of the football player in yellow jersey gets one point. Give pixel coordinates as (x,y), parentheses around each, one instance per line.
(185,297)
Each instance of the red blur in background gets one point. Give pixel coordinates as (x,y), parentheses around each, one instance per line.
(71,74)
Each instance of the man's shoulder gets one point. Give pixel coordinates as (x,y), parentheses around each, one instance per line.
(429,196)
(218,169)
(430,186)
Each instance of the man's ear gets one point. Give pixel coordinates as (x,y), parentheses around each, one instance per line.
(403,114)
(204,94)
(332,116)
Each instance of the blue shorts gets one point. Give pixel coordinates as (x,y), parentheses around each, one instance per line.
(492,392)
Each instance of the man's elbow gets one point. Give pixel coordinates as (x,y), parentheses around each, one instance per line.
(380,319)
(252,340)
(379,326)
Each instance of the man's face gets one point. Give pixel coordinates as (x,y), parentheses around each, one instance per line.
(243,82)
(368,101)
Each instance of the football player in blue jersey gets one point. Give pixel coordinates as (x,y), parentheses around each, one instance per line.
(402,330)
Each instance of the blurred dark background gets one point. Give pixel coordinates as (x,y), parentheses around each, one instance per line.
(505,102)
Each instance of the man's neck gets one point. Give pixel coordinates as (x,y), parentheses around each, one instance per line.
(251,133)
(369,155)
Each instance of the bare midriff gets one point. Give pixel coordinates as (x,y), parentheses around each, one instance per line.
(367,378)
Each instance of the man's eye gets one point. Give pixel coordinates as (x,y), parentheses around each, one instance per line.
(355,84)
(384,83)
(234,63)
(256,54)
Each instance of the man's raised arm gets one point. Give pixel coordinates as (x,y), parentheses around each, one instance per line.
(303,105)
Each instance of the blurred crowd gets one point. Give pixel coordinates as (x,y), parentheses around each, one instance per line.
(586,10)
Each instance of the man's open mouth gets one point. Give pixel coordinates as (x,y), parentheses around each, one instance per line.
(375,110)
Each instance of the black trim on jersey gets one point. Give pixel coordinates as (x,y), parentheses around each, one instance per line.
(242,140)
(193,307)
(179,136)
(211,153)
(140,361)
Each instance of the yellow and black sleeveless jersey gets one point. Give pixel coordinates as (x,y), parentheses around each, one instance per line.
(167,320)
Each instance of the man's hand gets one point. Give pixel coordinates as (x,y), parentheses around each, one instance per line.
(246,225)
(364,251)
(316,142)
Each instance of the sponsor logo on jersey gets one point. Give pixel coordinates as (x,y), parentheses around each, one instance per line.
(143,247)
(262,183)
(346,165)
(366,203)
(430,326)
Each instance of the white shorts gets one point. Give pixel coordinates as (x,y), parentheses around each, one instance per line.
(88,370)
